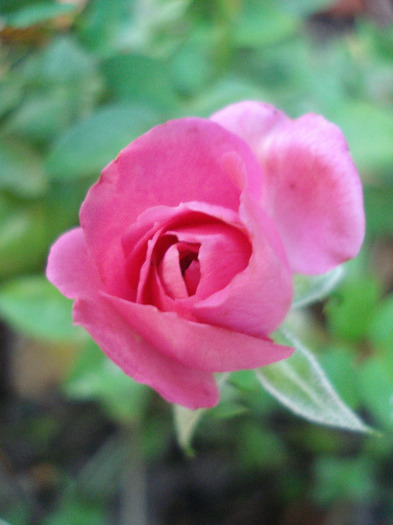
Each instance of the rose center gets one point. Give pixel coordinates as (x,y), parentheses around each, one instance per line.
(190,269)
(179,270)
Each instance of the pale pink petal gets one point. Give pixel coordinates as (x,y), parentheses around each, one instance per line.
(258,298)
(139,359)
(312,189)
(185,160)
(252,121)
(196,345)
(314,194)
(70,267)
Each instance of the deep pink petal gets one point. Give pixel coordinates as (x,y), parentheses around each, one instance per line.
(196,345)
(165,302)
(258,298)
(70,267)
(141,238)
(139,359)
(192,277)
(185,160)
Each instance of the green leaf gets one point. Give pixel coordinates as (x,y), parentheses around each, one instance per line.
(349,311)
(91,144)
(300,384)
(97,377)
(345,478)
(139,79)
(361,120)
(262,24)
(20,168)
(77,509)
(10,93)
(34,307)
(38,13)
(186,422)
(303,7)
(259,447)
(381,327)
(379,210)
(65,61)
(336,360)
(41,118)
(227,91)
(310,289)
(23,230)
(103,22)
(375,380)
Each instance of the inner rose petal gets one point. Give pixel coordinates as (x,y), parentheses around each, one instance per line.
(174,267)
(192,276)
(224,252)
(176,257)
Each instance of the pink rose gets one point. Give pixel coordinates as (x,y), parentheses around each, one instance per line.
(183,263)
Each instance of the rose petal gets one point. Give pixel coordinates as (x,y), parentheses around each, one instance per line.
(196,345)
(192,277)
(180,161)
(312,189)
(139,242)
(70,267)
(258,298)
(252,121)
(170,273)
(315,194)
(224,252)
(138,359)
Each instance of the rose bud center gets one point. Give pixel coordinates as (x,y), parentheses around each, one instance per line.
(179,270)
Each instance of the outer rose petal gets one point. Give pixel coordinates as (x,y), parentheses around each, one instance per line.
(72,270)
(312,189)
(180,161)
(70,267)
(196,345)
(252,121)
(138,359)
(174,356)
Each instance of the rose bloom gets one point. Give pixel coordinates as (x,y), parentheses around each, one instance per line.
(183,262)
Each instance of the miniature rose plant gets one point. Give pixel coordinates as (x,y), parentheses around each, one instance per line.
(184,261)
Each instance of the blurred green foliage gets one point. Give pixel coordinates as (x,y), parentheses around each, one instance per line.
(78,82)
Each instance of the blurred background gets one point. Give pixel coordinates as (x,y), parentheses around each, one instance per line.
(79,441)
